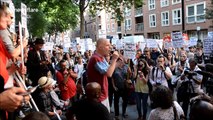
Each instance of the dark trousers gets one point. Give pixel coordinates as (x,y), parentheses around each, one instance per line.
(185,104)
(117,95)
(142,97)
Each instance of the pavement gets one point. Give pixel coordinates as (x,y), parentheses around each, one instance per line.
(131,111)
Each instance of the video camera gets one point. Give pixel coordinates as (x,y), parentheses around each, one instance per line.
(189,73)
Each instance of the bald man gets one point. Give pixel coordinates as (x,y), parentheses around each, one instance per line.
(89,108)
(201,110)
(99,69)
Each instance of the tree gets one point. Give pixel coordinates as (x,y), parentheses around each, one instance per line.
(82,5)
(112,6)
(52,16)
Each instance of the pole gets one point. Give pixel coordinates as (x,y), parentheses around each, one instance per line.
(183,16)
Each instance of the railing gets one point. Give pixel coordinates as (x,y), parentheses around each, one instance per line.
(138,12)
(139,27)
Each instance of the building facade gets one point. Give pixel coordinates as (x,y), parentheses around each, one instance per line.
(158,18)
(153,19)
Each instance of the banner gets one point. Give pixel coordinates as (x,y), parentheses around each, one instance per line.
(177,39)
(120,44)
(210,34)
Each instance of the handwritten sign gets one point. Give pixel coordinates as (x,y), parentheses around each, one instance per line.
(193,41)
(129,50)
(151,43)
(208,46)
(177,39)
(210,34)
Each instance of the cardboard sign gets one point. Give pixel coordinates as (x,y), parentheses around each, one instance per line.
(177,39)
(129,50)
(193,41)
(151,43)
(208,46)
(24,15)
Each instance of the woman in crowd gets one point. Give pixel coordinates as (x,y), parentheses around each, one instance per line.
(165,107)
(141,87)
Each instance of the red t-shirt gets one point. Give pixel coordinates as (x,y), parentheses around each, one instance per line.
(68,90)
(97,68)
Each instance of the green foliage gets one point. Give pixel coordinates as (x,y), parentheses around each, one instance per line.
(116,7)
(52,16)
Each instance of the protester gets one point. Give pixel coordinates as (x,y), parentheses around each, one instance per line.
(65,78)
(141,87)
(99,69)
(165,107)
(89,108)
(160,74)
(36,116)
(45,103)
(119,81)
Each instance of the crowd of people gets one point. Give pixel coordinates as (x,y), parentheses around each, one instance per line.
(79,86)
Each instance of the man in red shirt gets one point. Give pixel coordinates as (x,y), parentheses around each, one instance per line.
(65,80)
(99,69)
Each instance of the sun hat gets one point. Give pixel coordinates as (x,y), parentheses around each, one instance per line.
(45,81)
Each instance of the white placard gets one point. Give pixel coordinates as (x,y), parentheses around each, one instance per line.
(210,34)
(177,39)
(208,46)
(193,41)
(129,50)
(160,43)
(48,46)
(120,44)
(24,15)
(114,41)
(168,44)
(151,43)
(12,26)
(142,45)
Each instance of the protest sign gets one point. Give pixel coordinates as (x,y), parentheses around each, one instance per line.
(120,44)
(210,34)
(129,50)
(193,41)
(208,46)
(24,15)
(177,39)
(151,43)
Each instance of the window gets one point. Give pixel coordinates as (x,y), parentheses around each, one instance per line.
(196,13)
(107,17)
(152,20)
(128,24)
(165,18)
(108,28)
(164,3)
(113,27)
(176,1)
(127,11)
(151,4)
(176,15)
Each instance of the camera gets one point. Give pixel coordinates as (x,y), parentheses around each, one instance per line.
(189,73)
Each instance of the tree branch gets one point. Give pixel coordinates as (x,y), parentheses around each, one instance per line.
(88,1)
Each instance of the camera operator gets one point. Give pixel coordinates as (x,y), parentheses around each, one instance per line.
(194,80)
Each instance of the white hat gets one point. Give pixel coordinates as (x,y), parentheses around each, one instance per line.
(44,81)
